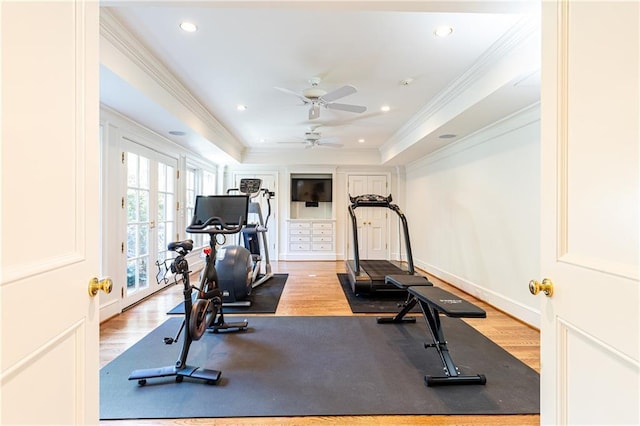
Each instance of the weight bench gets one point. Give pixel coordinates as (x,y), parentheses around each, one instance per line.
(433,302)
(404,281)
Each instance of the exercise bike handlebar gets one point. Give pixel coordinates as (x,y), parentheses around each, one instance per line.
(215,225)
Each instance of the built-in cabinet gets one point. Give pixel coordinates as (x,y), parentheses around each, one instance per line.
(311,227)
(311,235)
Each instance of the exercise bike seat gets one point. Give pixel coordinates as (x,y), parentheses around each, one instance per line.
(184,246)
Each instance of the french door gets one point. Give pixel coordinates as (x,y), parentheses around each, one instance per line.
(149,208)
(372,221)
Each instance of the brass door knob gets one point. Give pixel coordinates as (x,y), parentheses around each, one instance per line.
(546,287)
(95,285)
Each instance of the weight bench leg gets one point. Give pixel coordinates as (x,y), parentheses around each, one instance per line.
(452,375)
(400,316)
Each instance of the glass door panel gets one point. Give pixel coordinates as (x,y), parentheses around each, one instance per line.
(138,195)
(166,210)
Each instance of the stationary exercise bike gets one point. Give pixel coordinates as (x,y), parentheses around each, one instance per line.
(224,214)
(240,266)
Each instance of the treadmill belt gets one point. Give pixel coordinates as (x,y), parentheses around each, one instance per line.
(378,269)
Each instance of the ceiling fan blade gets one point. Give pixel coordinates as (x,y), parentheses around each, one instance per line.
(347,107)
(331,145)
(339,93)
(291,92)
(314,111)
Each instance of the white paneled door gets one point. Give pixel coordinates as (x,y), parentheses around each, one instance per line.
(50,213)
(590,325)
(372,221)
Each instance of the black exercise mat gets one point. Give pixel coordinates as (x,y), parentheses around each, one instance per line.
(264,298)
(380,302)
(318,366)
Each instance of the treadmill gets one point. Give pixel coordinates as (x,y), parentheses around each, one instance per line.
(368,276)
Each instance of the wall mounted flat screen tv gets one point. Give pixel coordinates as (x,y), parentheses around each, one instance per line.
(311,190)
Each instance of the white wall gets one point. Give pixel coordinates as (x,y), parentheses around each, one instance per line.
(473,213)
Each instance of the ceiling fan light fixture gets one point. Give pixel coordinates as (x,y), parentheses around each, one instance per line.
(443,31)
(314,92)
(188,27)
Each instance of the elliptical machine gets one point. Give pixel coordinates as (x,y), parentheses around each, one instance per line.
(240,267)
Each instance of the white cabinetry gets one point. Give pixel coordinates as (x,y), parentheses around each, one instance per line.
(311,239)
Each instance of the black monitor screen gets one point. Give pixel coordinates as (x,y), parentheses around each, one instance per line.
(229,208)
(310,189)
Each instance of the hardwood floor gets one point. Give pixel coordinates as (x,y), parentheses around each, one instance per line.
(313,289)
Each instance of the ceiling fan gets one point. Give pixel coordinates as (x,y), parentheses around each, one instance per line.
(313,138)
(317,97)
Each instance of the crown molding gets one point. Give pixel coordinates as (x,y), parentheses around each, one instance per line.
(128,45)
(525,28)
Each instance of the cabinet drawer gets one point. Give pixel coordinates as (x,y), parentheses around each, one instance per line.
(299,239)
(322,225)
(299,225)
(300,247)
(322,238)
(300,232)
(322,247)
(322,231)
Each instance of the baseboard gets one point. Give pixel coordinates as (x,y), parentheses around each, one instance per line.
(511,307)
(110,309)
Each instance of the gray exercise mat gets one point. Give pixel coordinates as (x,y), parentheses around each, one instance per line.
(318,366)
(264,298)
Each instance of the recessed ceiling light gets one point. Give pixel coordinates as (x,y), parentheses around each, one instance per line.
(385,108)
(189,27)
(241,107)
(361,140)
(262,140)
(177,132)
(406,81)
(447,136)
(443,31)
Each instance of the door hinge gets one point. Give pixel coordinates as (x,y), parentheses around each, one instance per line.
(122,292)
(122,157)
(177,237)
(121,247)
(122,203)
(177,206)
(177,174)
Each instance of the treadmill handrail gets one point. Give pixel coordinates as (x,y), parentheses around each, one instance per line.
(375,200)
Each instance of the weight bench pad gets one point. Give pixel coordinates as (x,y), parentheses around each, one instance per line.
(405,280)
(447,303)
